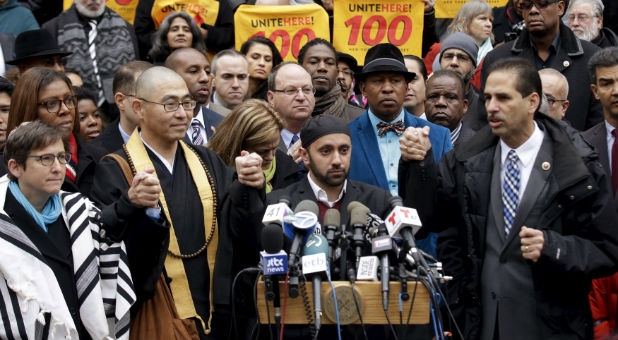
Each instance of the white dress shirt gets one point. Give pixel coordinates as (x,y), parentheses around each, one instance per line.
(200,118)
(527,153)
(321,195)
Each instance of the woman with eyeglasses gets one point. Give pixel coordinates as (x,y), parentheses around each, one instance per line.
(53,248)
(263,56)
(45,94)
(254,126)
(177,30)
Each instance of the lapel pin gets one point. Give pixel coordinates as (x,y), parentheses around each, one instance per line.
(566,63)
(545,166)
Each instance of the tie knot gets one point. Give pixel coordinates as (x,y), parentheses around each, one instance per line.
(512,156)
(614,133)
(397,127)
(196,123)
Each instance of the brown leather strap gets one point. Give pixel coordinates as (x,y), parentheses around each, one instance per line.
(126,169)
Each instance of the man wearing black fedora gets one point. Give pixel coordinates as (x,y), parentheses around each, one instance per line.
(37,48)
(375,134)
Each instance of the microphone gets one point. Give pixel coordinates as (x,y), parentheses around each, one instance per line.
(358,220)
(403,222)
(314,264)
(304,221)
(381,245)
(274,262)
(332,222)
(276,213)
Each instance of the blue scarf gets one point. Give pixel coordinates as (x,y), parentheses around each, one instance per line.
(50,213)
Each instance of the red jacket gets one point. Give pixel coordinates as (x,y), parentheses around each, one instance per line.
(603,303)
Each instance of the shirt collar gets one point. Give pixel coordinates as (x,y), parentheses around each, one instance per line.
(125,136)
(455,133)
(527,151)
(170,167)
(555,44)
(287,136)
(608,127)
(321,195)
(375,120)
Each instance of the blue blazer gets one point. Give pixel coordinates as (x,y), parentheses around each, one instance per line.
(366,164)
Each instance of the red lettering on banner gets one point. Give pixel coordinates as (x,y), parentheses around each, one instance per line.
(380,32)
(298,37)
(356,24)
(393,27)
(285,41)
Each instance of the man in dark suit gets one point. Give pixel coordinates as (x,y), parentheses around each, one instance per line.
(529,220)
(446,105)
(326,152)
(193,66)
(603,68)
(119,130)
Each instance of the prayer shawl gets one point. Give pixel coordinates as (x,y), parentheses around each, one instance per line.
(31,301)
(114,48)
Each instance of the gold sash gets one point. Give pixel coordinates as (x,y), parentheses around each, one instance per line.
(173,264)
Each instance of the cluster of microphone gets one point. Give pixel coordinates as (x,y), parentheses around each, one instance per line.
(364,248)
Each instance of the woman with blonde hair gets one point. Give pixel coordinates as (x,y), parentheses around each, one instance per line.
(254,126)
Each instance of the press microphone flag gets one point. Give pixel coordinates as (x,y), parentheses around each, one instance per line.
(314,264)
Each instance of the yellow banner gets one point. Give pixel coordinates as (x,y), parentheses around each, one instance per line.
(449,8)
(361,25)
(289,26)
(124,8)
(203,11)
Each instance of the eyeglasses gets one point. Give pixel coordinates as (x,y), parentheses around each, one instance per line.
(53,106)
(346,72)
(580,17)
(292,91)
(48,158)
(188,104)
(551,100)
(540,4)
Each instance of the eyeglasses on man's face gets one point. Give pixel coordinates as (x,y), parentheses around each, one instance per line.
(540,4)
(48,158)
(292,91)
(172,106)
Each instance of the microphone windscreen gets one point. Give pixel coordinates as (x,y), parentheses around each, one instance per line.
(358,214)
(272,238)
(285,199)
(332,217)
(395,201)
(307,205)
(352,205)
(316,244)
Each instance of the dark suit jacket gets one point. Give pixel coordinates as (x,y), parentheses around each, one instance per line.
(211,118)
(373,197)
(87,158)
(110,140)
(597,136)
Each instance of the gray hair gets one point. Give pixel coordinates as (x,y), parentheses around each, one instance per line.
(160,48)
(224,53)
(466,14)
(597,7)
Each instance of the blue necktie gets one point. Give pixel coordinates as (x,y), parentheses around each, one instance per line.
(510,191)
(196,135)
(295,139)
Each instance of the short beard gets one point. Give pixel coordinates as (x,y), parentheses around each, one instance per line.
(588,34)
(83,10)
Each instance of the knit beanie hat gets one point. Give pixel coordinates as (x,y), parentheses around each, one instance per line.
(463,42)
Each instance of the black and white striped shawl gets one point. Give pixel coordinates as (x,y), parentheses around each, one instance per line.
(31,302)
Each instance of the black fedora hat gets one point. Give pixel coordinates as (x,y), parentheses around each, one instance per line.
(385,58)
(35,43)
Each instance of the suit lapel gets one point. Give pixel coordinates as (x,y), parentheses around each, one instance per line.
(369,146)
(536,185)
(496,193)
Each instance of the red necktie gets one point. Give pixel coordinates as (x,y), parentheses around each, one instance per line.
(614,161)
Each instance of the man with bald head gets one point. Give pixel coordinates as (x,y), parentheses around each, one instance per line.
(205,206)
(556,90)
(193,66)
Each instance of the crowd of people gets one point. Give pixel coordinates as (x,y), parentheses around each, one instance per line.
(137,169)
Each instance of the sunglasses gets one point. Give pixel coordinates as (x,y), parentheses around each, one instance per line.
(540,4)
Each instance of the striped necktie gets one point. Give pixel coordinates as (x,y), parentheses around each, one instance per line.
(510,191)
(92,50)
(196,134)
